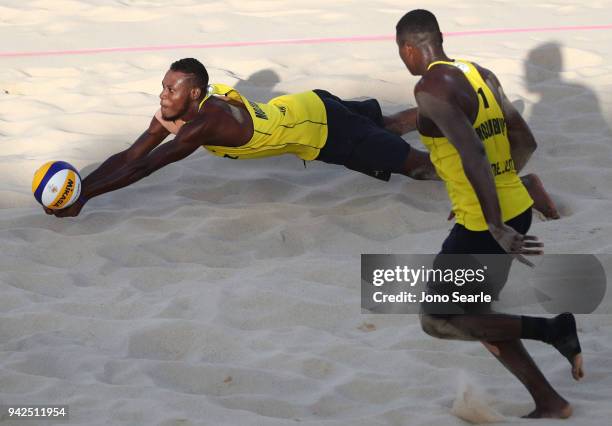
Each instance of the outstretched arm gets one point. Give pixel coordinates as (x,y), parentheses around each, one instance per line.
(131,169)
(170,152)
(146,142)
(151,138)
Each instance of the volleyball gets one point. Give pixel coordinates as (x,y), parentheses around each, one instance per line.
(56,185)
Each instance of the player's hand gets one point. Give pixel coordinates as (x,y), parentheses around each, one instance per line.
(517,244)
(451,215)
(71,211)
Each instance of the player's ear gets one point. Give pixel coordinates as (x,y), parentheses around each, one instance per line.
(196,92)
(409,48)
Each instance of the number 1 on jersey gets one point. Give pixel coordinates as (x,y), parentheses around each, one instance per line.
(484,98)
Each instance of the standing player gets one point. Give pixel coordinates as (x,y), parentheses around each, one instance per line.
(478,142)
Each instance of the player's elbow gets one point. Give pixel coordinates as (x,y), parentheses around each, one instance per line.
(524,149)
(521,138)
(528,144)
(532,146)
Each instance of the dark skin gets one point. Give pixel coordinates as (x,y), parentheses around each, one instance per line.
(220,122)
(447,106)
(523,145)
(179,99)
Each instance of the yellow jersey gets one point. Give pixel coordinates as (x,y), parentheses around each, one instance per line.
(289,124)
(490,126)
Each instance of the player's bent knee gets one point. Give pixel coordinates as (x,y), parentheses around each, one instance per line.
(433,326)
(441,327)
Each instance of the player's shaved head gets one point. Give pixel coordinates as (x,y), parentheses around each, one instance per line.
(419,27)
(194,69)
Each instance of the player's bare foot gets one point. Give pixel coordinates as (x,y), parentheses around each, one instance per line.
(577,370)
(541,200)
(568,344)
(558,410)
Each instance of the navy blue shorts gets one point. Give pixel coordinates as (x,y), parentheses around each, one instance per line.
(358,140)
(463,241)
(460,250)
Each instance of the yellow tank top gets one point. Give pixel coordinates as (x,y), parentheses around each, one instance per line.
(290,124)
(490,126)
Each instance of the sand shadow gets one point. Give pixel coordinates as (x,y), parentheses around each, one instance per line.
(568,124)
(567,108)
(260,85)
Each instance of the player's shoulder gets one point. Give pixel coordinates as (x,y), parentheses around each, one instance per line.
(200,127)
(486,74)
(482,70)
(441,80)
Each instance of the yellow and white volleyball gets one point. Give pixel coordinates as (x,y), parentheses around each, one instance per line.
(56,185)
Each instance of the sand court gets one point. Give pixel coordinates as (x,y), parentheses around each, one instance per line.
(219,292)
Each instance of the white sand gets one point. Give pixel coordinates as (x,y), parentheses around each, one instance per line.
(227,293)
